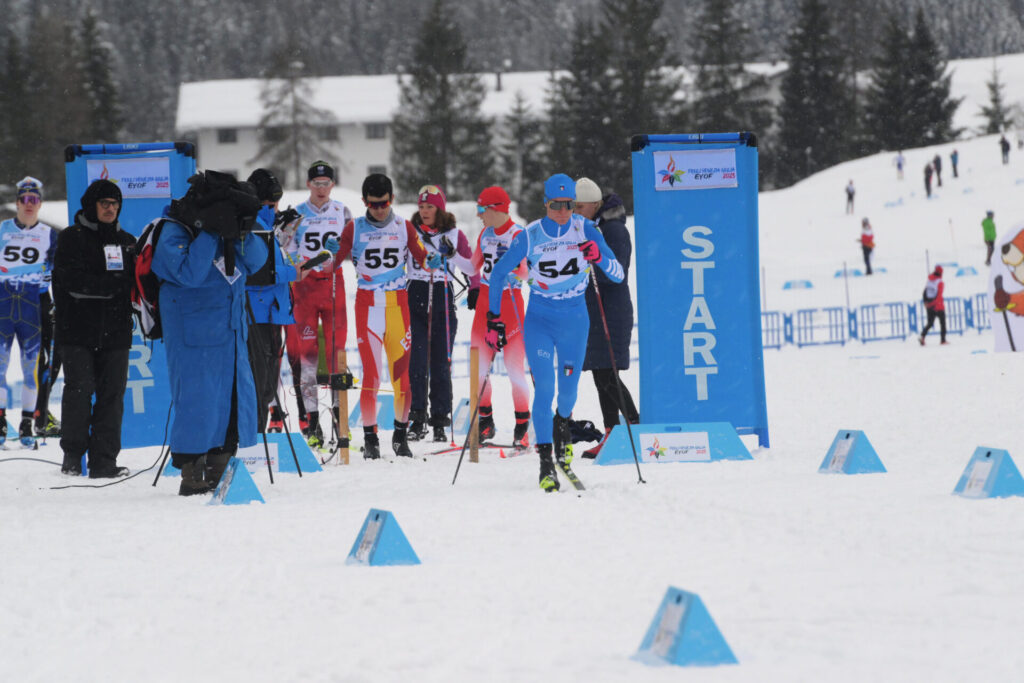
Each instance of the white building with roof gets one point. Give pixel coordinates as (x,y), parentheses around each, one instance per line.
(222,117)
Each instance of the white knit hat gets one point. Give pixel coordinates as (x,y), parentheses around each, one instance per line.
(587,191)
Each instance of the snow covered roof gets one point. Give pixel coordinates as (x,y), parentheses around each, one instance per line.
(235,103)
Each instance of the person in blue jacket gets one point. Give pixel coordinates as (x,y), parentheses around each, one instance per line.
(204,253)
(560,249)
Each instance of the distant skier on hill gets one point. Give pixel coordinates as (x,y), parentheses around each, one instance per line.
(928,170)
(937,164)
(988,226)
(867,243)
(899,161)
(934,304)
(850,191)
(954,158)
(1004,147)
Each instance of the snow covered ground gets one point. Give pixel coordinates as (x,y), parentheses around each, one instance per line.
(809,577)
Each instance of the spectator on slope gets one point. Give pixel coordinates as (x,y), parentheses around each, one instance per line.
(937,164)
(954,159)
(1004,147)
(867,243)
(609,216)
(899,161)
(928,170)
(988,227)
(934,305)
(850,192)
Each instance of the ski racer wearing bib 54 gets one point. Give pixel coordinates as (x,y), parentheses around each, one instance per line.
(26,263)
(379,244)
(559,249)
(320,296)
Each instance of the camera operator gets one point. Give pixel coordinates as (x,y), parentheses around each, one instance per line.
(205,251)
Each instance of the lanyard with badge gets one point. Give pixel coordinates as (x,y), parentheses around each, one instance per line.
(114,257)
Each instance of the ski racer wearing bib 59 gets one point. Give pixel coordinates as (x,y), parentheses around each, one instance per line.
(379,244)
(26,263)
(320,296)
(559,249)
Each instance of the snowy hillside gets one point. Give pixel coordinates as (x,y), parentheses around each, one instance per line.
(810,577)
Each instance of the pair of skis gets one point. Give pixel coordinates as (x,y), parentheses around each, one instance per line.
(562,463)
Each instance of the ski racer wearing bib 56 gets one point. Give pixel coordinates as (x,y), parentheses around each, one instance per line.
(26,263)
(379,244)
(320,297)
(559,249)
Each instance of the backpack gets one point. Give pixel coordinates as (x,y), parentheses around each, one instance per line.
(146,288)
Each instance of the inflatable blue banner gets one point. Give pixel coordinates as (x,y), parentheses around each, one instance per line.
(698,292)
(149,176)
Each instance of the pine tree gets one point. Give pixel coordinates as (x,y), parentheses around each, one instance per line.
(932,107)
(14,114)
(643,91)
(96,59)
(817,107)
(291,127)
(440,135)
(521,168)
(728,97)
(888,102)
(997,117)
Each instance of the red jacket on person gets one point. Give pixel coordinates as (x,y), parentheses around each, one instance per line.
(936,304)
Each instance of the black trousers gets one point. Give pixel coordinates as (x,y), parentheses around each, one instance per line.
(867,259)
(608,383)
(266,346)
(87,426)
(440,390)
(932,315)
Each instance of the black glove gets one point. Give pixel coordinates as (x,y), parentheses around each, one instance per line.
(446,248)
(495,336)
(286,217)
(472,297)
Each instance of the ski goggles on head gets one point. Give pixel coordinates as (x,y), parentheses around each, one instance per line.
(378,205)
(557,205)
(321,183)
(29,199)
(484,207)
(429,189)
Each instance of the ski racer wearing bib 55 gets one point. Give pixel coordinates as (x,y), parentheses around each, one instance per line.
(26,263)
(559,249)
(379,244)
(320,297)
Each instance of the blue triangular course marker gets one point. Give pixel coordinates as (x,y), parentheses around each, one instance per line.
(460,419)
(236,486)
(851,453)
(684,634)
(385,412)
(990,473)
(381,542)
(170,470)
(678,442)
(285,461)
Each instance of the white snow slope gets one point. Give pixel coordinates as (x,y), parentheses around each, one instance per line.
(810,577)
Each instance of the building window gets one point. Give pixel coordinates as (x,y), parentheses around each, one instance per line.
(227,136)
(329,133)
(383,170)
(376,131)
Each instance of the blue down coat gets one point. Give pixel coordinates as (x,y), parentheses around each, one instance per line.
(618,305)
(205,330)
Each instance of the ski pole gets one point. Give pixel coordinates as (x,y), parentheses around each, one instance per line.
(1006,319)
(448,348)
(615,371)
(472,419)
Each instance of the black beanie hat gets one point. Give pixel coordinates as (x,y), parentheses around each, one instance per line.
(99,189)
(377,185)
(320,169)
(267,187)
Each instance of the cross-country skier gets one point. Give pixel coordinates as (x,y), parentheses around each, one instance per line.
(25,270)
(320,297)
(560,249)
(379,244)
(432,313)
(492,207)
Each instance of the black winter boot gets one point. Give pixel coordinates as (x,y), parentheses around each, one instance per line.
(193,481)
(216,463)
(548,477)
(417,425)
(439,422)
(399,440)
(486,429)
(371,444)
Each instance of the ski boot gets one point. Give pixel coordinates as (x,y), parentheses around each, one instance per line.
(486,429)
(563,440)
(3,426)
(314,435)
(593,452)
(400,441)
(439,422)
(521,435)
(417,425)
(47,425)
(371,444)
(548,477)
(25,433)
(275,425)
